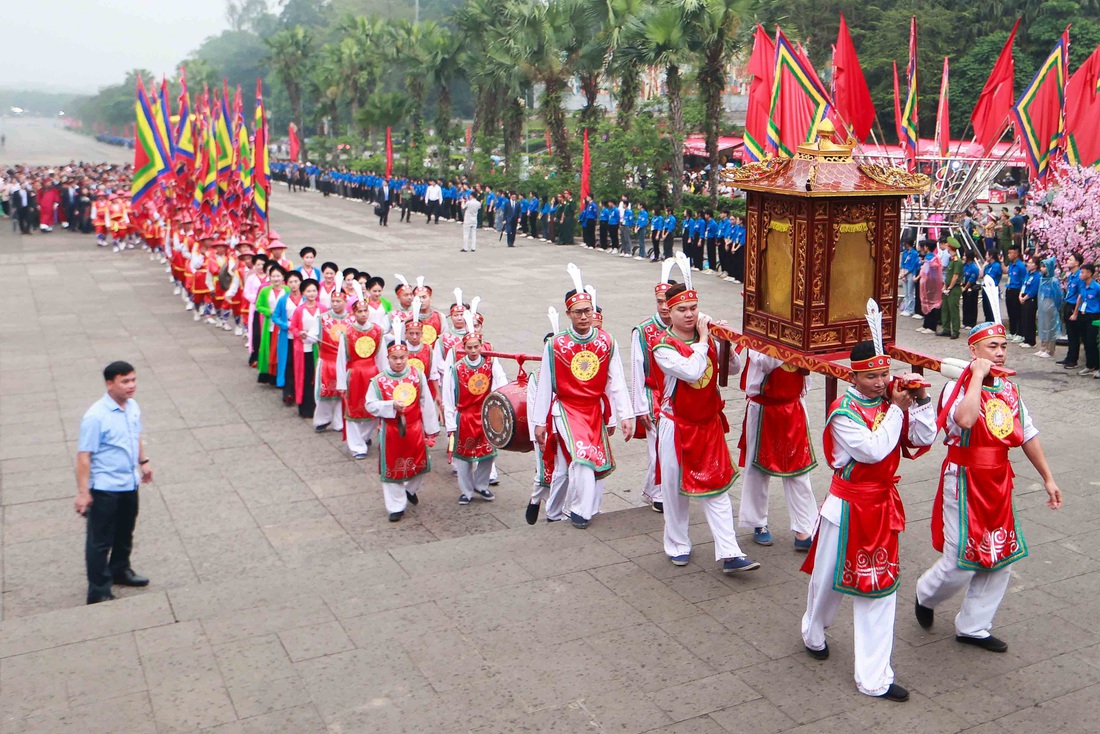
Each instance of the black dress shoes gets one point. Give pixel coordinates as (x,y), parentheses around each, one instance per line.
(129,578)
(895,693)
(991,643)
(395,516)
(101,597)
(531,514)
(822,654)
(925,615)
(412,498)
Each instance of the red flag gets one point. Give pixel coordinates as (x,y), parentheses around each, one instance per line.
(762,68)
(1082,113)
(295,146)
(549,150)
(897,107)
(943,116)
(991,114)
(586,168)
(1039,110)
(850,91)
(389,153)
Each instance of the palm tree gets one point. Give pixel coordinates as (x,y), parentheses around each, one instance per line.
(712,25)
(383,109)
(533,40)
(657,38)
(476,20)
(290,60)
(612,17)
(441,68)
(413,47)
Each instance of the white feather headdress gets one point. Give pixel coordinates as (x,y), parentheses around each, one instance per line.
(555,322)
(591,291)
(993,296)
(684,264)
(874,323)
(416,304)
(575,274)
(401,279)
(666,268)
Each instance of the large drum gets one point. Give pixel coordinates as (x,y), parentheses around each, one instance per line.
(504,417)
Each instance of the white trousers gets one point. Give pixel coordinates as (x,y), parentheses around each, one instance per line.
(753,512)
(554,492)
(584,493)
(651,489)
(473,475)
(717,509)
(873,618)
(394,492)
(469,237)
(329,411)
(359,432)
(984,589)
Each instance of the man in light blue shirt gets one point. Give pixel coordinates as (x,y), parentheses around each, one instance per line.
(110,463)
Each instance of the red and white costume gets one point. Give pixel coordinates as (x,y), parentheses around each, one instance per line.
(465,386)
(863,515)
(331,353)
(775,442)
(976,557)
(582,391)
(403,454)
(647,387)
(694,459)
(365,358)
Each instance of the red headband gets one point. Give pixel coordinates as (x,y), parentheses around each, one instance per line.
(471,335)
(683,297)
(397,347)
(576,298)
(874,364)
(661,288)
(988,332)
(457,309)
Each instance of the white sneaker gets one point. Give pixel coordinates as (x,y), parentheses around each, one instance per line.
(917,316)
(238,331)
(176,291)
(638,257)
(197,316)
(904,313)
(190,306)
(1042,354)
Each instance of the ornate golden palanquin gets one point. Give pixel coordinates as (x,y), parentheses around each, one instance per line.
(822,236)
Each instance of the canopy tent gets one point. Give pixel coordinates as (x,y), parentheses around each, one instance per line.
(729,145)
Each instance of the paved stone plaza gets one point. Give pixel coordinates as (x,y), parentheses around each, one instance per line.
(283,601)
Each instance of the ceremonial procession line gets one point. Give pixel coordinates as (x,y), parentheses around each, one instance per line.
(402,373)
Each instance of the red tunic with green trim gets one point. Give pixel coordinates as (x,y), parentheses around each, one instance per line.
(706,468)
(872,515)
(362,346)
(579,373)
(421,359)
(402,457)
(782,432)
(332,328)
(472,385)
(989,535)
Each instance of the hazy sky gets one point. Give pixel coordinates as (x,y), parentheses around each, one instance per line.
(81,45)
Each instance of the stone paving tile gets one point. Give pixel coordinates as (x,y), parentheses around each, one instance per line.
(282,599)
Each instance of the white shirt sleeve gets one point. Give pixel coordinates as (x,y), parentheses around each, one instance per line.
(854,439)
(544,393)
(342,363)
(637,373)
(450,408)
(376,406)
(427,408)
(618,395)
(688,369)
(500,377)
(532,388)
(922,424)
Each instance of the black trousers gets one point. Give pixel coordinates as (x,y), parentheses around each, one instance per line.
(1029,312)
(309,401)
(712,253)
(603,235)
(590,233)
(970,307)
(110,538)
(931,318)
(384,217)
(668,242)
(613,236)
(1075,333)
(987,310)
(433,211)
(738,259)
(1092,349)
(1012,305)
(288,375)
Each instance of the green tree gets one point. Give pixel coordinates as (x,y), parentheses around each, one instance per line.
(290,57)
(383,109)
(657,38)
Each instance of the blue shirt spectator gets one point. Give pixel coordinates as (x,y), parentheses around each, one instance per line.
(1017,274)
(112,435)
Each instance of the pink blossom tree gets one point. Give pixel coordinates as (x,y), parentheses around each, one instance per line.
(1064,213)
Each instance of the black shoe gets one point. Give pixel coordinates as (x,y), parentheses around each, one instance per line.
(822,654)
(395,516)
(99,597)
(578,522)
(1069,365)
(321,428)
(413,499)
(531,514)
(129,578)
(991,643)
(895,693)
(925,615)
(659,507)
(943,333)
(1061,361)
